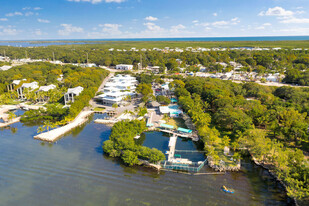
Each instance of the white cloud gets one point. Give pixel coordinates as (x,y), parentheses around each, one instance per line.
(26,8)
(215,14)
(99,1)
(69,29)
(112,29)
(260,28)
(37,8)
(3,19)
(8,31)
(153,27)
(294,20)
(177,28)
(38,32)
(29,13)
(220,23)
(43,21)
(195,21)
(151,18)
(276,11)
(267,24)
(16,13)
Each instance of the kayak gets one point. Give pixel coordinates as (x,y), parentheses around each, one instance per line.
(227,190)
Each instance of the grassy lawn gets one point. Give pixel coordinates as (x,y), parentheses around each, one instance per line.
(98,109)
(226,159)
(176,122)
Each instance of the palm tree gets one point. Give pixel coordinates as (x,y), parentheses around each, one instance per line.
(47,125)
(40,129)
(12,115)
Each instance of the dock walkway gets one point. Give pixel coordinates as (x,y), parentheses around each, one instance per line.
(54,134)
(172,146)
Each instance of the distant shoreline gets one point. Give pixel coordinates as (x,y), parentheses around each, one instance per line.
(149,43)
(183,39)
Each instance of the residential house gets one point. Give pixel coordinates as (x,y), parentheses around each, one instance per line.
(72,92)
(26,87)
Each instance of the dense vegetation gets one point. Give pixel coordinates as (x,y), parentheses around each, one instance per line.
(121,144)
(293,63)
(271,122)
(45,74)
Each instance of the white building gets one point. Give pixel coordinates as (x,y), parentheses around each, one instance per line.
(26,86)
(47,88)
(118,88)
(5,67)
(124,67)
(44,98)
(72,92)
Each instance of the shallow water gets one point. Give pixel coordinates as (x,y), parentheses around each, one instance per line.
(74,171)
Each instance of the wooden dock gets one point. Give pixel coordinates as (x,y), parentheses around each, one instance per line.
(191,136)
(54,134)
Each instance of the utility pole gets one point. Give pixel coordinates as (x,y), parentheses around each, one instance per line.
(87,58)
(53,56)
(4,53)
(26,55)
(141,62)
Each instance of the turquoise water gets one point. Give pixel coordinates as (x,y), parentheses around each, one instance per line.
(74,171)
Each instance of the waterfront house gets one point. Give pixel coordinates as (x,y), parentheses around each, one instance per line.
(124,67)
(72,92)
(40,93)
(26,87)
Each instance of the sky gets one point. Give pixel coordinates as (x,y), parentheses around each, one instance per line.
(112,19)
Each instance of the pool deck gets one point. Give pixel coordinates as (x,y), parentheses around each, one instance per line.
(54,134)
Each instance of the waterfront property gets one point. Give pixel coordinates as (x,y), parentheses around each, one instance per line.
(40,93)
(72,92)
(117,89)
(26,87)
(124,67)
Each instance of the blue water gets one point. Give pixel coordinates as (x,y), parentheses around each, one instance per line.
(160,141)
(38,43)
(74,171)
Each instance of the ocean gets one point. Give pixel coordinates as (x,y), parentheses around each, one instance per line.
(48,42)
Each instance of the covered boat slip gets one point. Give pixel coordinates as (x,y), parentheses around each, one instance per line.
(166,126)
(183,130)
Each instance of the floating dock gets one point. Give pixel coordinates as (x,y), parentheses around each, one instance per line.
(54,134)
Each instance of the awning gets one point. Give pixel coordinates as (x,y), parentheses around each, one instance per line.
(167,126)
(184,130)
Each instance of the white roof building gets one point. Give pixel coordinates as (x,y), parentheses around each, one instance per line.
(118,88)
(5,67)
(47,88)
(72,92)
(30,86)
(124,67)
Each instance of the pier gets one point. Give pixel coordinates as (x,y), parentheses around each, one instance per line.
(172,146)
(54,134)
(191,136)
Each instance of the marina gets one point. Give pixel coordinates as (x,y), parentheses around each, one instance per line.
(75,171)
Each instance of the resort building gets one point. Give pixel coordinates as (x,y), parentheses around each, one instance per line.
(72,92)
(124,67)
(26,87)
(117,89)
